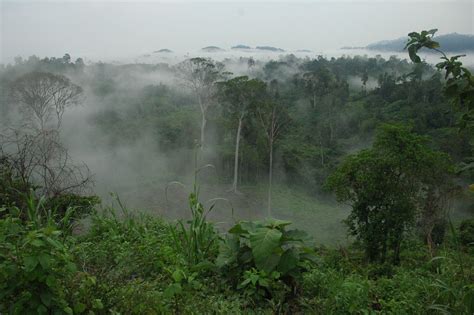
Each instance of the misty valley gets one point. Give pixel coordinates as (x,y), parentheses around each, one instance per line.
(276,183)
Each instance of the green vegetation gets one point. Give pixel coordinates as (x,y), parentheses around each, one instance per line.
(131,264)
(388,185)
(392,140)
(269,257)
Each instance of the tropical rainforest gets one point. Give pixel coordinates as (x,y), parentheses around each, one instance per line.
(285,186)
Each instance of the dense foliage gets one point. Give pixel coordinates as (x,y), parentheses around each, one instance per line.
(130,264)
(255,255)
(333,105)
(381,133)
(388,185)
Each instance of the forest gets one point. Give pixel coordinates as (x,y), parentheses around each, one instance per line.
(297,185)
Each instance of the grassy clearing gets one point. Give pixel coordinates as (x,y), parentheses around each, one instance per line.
(321,218)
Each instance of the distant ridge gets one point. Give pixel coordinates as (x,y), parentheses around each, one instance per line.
(212,49)
(241,47)
(269,48)
(453,42)
(164,50)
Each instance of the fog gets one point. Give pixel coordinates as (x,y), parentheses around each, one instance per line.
(120,43)
(113,30)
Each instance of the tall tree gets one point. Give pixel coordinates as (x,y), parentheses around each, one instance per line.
(238,95)
(43,97)
(273,117)
(200,75)
(34,149)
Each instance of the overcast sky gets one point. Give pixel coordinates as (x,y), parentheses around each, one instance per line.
(113,29)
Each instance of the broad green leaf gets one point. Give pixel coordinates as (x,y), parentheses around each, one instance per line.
(276,223)
(432,44)
(228,251)
(244,283)
(44,260)
(248,226)
(412,53)
(264,242)
(46,298)
(79,308)
(264,283)
(432,31)
(178,275)
(237,229)
(51,281)
(295,235)
(172,290)
(289,260)
(270,263)
(30,263)
(97,304)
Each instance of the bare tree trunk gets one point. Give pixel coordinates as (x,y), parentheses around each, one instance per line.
(270,178)
(236,155)
(203,121)
(203,127)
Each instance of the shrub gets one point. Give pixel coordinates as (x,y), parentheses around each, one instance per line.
(12,189)
(34,264)
(80,206)
(126,248)
(385,194)
(261,252)
(329,292)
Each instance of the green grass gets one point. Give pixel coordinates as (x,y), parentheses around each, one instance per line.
(321,218)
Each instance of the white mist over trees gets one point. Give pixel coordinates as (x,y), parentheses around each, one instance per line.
(229,158)
(200,75)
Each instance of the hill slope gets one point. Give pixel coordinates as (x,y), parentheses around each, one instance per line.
(450,42)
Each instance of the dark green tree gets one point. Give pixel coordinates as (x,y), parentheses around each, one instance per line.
(386,187)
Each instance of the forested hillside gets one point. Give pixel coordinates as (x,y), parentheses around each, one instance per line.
(170,188)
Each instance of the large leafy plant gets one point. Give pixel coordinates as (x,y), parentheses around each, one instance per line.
(268,247)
